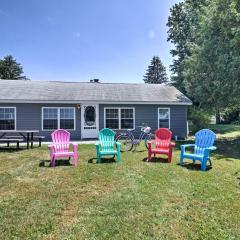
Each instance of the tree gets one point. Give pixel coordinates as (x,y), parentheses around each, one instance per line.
(10,69)
(156,72)
(211,70)
(183,24)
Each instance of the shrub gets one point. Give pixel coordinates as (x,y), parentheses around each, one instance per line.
(199,118)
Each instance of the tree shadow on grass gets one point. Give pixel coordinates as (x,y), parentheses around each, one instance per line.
(103,160)
(194,166)
(11,150)
(228,148)
(58,163)
(156,160)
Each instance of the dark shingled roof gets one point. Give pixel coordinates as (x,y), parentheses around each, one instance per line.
(75,92)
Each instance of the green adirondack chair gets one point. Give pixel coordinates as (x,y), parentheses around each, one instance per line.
(106,145)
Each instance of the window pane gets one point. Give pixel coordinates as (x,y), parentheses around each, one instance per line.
(127,118)
(50,124)
(163,123)
(126,113)
(163,114)
(126,123)
(67,123)
(67,113)
(66,118)
(164,118)
(7,118)
(50,113)
(112,118)
(112,123)
(112,113)
(50,118)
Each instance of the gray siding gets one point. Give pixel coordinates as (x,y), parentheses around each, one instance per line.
(29,117)
(149,114)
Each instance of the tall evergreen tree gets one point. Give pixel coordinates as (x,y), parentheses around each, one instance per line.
(11,69)
(156,72)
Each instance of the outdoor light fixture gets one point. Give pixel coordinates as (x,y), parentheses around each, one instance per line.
(78,106)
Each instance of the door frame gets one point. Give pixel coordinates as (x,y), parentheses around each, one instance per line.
(82,118)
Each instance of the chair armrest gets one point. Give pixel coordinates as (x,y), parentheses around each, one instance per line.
(150,143)
(97,143)
(187,145)
(212,148)
(118,146)
(51,148)
(172,144)
(75,146)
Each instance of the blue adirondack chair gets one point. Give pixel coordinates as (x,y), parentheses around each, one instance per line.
(204,140)
(106,145)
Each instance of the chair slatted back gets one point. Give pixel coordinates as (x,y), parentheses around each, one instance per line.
(61,139)
(163,137)
(106,139)
(203,139)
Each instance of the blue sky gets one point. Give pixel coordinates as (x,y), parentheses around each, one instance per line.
(77,40)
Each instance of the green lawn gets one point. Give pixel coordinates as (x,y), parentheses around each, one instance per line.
(130,200)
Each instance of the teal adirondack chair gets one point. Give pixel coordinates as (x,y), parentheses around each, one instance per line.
(204,140)
(106,145)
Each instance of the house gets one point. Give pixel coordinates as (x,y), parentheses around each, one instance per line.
(86,107)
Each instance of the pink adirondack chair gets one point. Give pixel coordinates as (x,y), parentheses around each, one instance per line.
(60,148)
(163,144)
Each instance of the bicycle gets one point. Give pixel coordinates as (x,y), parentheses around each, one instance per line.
(128,141)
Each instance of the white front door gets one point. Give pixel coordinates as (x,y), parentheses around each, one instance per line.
(89,120)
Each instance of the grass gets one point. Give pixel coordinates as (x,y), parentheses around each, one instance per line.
(130,200)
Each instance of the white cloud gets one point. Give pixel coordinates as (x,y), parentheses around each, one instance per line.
(151,34)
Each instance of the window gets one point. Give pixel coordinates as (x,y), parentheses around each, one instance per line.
(58,118)
(119,118)
(164,117)
(7,118)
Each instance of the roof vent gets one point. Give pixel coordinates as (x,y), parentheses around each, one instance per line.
(95,80)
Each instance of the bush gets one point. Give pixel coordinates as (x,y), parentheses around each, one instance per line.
(200,119)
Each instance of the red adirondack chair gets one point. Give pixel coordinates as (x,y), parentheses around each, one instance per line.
(163,144)
(60,148)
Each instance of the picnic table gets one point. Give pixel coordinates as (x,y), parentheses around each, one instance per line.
(28,135)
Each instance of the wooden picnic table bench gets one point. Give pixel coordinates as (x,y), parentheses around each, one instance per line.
(12,140)
(38,138)
(27,135)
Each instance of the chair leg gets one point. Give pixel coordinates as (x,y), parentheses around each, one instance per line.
(181,158)
(118,156)
(75,159)
(149,156)
(203,166)
(52,161)
(170,156)
(210,161)
(98,158)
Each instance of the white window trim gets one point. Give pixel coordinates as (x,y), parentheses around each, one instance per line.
(119,116)
(58,118)
(169,113)
(15,117)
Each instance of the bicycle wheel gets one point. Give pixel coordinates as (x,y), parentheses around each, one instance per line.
(149,137)
(126,142)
